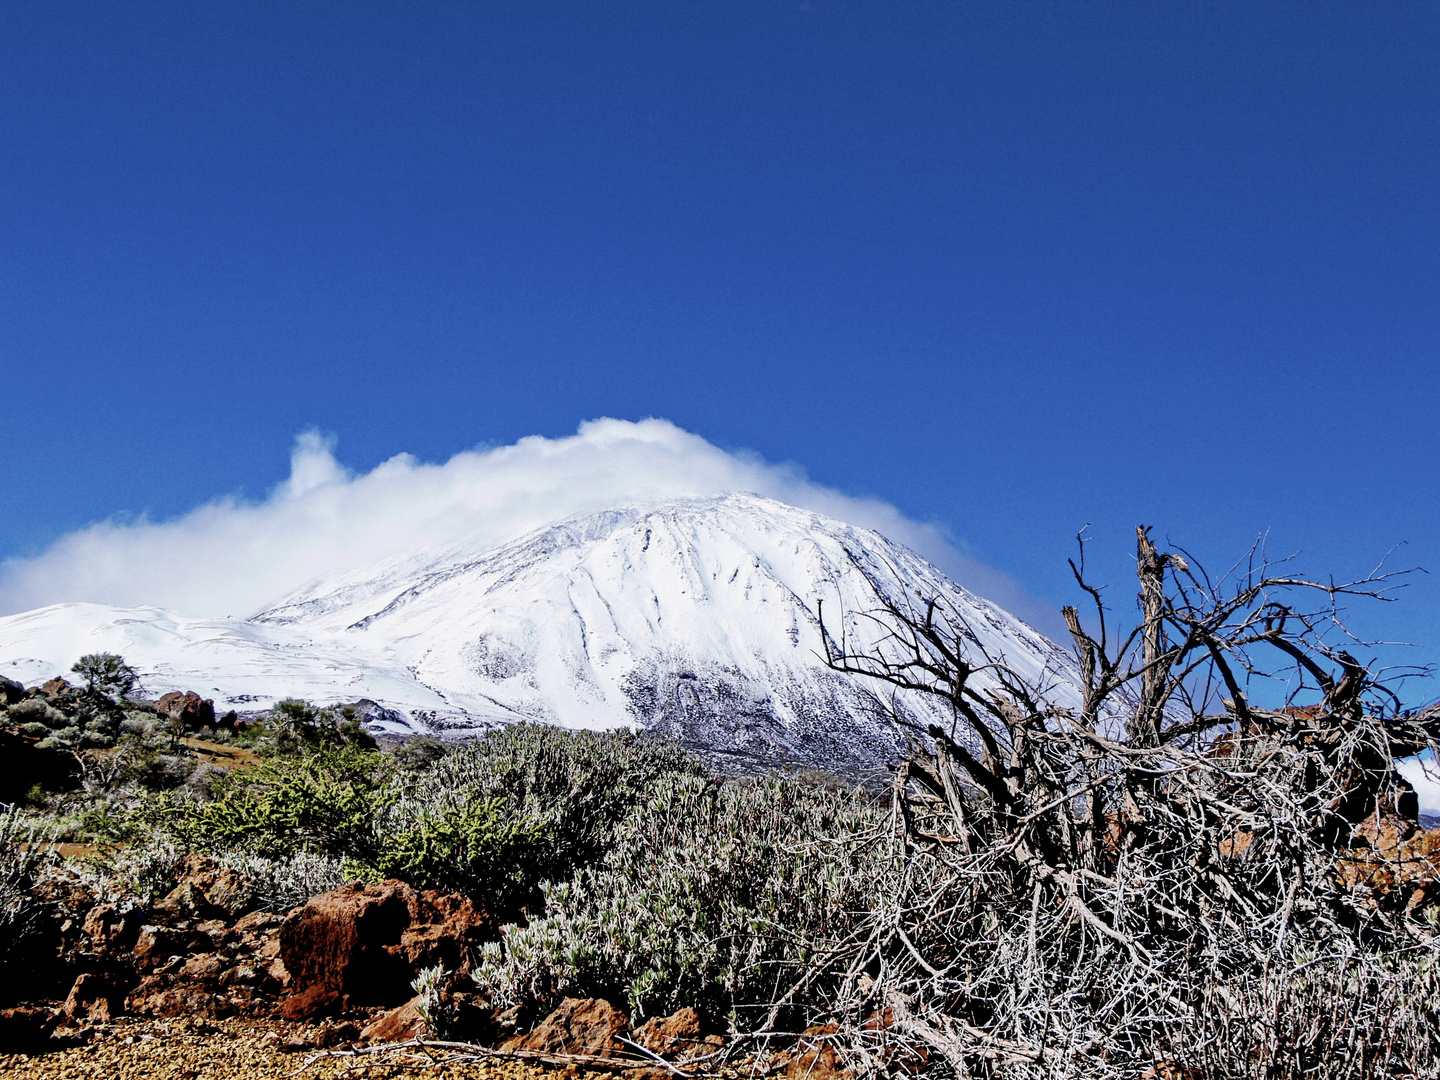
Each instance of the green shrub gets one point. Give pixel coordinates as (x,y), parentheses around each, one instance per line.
(491,819)
(325,801)
(482,847)
(571,788)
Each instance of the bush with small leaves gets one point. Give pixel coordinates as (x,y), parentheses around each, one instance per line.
(37,711)
(294,726)
(282,883)
(139,872)
(24,853)
(707,894)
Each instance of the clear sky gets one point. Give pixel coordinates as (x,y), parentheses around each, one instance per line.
(1010,267)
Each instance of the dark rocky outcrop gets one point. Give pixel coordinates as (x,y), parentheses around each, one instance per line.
(188,709)
(11,691)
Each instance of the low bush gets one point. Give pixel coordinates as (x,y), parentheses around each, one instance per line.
(23,915)
(709,894)
(492,819)
(297,727)
(323,802)
(279,884)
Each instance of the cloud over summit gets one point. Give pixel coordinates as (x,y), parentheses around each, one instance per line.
(233,557)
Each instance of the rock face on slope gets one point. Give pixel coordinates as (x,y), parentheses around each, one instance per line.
(698,618)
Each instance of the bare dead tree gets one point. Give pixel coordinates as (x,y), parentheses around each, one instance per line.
(1146,868)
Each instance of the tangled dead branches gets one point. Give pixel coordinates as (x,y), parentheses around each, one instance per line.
(1150,870)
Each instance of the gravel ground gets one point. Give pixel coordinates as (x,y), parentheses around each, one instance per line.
(223,1050)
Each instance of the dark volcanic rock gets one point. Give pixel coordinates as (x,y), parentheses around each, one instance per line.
(10,691)
(25,1028)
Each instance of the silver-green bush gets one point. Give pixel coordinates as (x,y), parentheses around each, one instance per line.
(709,894)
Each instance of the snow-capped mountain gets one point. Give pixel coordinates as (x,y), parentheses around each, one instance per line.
(697,618)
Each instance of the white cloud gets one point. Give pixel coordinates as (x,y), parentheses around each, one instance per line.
(231,557)
(1424,776)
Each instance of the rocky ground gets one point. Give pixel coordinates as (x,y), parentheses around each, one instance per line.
(202,984)
(223,1050)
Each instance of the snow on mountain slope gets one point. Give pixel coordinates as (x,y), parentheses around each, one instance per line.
(244,666)
(697,618)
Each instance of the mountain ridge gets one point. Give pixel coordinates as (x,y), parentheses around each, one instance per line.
(697,618)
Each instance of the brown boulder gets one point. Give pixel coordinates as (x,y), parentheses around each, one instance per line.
(166,995)
(205,889)
(55,687)
(189,709)
(368,944)
(230,893)
(205,966)
(443,932)
(347,941)
(578,1026)
(92,998)
(397,1025)
(154,945)
(185,901)
(309,1002)
(817,1058)
(671,1036)
(111,929)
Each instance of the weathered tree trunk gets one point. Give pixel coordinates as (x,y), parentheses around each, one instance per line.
(1144,731)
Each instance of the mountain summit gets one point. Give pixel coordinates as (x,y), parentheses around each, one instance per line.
(697,618)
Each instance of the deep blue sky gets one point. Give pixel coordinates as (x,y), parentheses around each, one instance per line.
(1013,267)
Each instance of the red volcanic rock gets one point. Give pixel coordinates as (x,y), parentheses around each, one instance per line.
(817,1058)
(671,1036)
(312,1001)
(111,929)
(93,997)
(578,1026)
(397,1025)
(189,709)
(365,945)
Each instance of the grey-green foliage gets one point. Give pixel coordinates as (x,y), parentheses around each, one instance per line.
(36,710)
(138,873)
(526,804)
(23,854)
(708,894)
(282,883)
(491,819)
(87,727)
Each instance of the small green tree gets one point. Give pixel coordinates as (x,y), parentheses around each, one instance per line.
(106,674)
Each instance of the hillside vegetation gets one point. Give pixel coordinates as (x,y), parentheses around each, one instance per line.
(1172,880)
